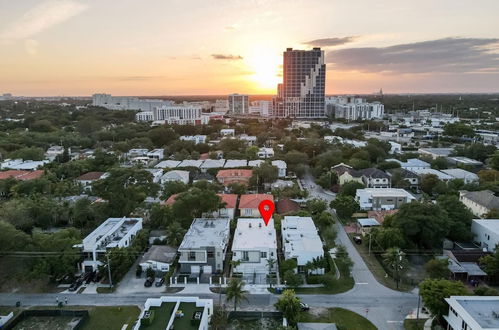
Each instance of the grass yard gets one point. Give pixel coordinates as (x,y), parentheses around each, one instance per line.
(414,324)
(344,319)
(110,318)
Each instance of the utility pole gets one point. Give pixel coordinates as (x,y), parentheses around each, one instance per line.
(109,271)
(370,236)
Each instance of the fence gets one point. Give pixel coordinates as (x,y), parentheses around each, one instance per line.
(83,314)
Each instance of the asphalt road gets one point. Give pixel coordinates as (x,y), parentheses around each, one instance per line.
(384,307)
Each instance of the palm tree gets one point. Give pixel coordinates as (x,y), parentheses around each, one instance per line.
(395,259)
(270,264)
(174,234)
(234,264)
(219,319)
(235,291)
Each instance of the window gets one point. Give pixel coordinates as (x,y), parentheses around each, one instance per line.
(210,254)
(248,212)
(192,255)
(263,255)
(245,256)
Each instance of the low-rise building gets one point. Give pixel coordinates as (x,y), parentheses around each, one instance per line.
(486,233)
(191,163)
(53,152)
(472,312)
(248,204)
(375,178)
(249,139)
(281,167)
(88,178)
(132,153)
(175,175)
(411,164)
(159,258)
(301,241)
(156,174)
(346,174)
(21,175)
(366,224)
(435,152)
(197,139)
(168,164)
(479,202)
(212,163)
(112,233)
(174,312)
(466,176)
(227,132)
(204,246)
(382,198)
(430,171)
(156,154)
(255,163)
(226,177)
(411,178)
(254,243)
(229,210)
(23,165)
(236,163)
(464,162)
(265,153)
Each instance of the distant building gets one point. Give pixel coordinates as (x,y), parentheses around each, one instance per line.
(466,176)
(227,132)
(265,153)
(301,241)
(127,103)
(21,175)
(53,152)
(238,104)
(472,312)
(88,178)
(411,164)
(197,139)
(253,244)
(479,202)
(281,167)
(248,204)
(156,154)
(430,171)
(204,246)
(354,108)
(159,258)
(435,152)
(375,178)
(301,94)
(226,177)
(260,108)
(176,175)
(168,164)
(486,233)
(464,162)
(235,163)
(112,233)
(382,198)
(23,165)
(180,115)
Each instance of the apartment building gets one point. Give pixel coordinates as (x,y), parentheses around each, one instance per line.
(382,198)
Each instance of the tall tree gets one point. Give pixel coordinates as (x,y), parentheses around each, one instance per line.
(434,291)
(395,260)
(289,305)
(235,292)
(459,216)
(438,268)
(345,206)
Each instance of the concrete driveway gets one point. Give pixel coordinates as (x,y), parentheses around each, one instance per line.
(131,284)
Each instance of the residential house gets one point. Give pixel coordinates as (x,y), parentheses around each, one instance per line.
(229,210)
(249,139)
(191,163)
(88,178)
(375,178)
(23,165)
(204,246)
(465,162)
(286,206)
(21,175)
(112,233)
(236,163)
(366,224)
(227,132)
(281,167)
(167,164)
(411,164)
(174,312)
(175,175)
(382,198)
(248,204)
(132,153)
(226,177)
(156,173)
(346,174)
(254,243)
(156,154)
(255,163)
(212,163)
(202,177)
(434,153)
(159,258)
(427,171)
(472,312)
(466,176)
(479,202)
(301,241)
(486,233)
(411,178)
(53,152)
(265,153)
(197,139)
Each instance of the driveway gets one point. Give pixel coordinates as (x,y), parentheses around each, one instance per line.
(130,284)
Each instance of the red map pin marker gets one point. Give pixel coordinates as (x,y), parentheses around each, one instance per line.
(266,209)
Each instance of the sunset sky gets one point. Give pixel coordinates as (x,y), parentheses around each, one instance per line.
(169,47)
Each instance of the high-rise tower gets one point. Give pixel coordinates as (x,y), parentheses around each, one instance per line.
(301,94)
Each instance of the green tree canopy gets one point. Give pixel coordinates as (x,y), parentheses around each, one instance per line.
(289,305)
(434,291)
(345,206)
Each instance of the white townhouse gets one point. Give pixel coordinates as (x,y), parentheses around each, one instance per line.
(265,153)
(112,233)
(197,139)
(281,167)
(382,198)
(472,313)
(486,233)
(253,244)
(156,154)
(301,241)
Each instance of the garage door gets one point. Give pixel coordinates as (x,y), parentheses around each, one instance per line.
(207,269)
(195,269)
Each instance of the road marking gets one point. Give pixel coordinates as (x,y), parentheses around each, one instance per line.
(361,283)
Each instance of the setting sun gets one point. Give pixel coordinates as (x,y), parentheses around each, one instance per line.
(265,68)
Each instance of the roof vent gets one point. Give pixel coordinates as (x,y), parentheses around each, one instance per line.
(249,224)
(260,225)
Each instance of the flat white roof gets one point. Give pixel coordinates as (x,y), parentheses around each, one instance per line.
(481,310)
(385,192)
(168,164)
(489,224)
(300,234)
(368,222)
(251,233)
(233,163)
(460,173)
(110,232)
(424,171)
(205,232)
(279,163)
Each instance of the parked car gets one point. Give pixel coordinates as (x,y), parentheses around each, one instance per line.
(304,307)
(76,284)
(159,282)
(149,281)
(357,239)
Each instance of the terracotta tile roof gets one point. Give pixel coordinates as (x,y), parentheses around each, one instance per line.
(21,175)
(234,173)
(252,201)
(286,205)
(170,201)
(90,176)
(229,199)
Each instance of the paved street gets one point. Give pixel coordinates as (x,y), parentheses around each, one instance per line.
(384,307)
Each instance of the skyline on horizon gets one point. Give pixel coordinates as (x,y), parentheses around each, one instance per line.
(77,48)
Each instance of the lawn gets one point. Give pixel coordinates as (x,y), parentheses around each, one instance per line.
(414,324)
(162,316)
(344,319)
(377,269)
(111,318)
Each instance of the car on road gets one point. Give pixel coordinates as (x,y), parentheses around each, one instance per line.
(149,281)
(159,282)
(357,239)
(304,307)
